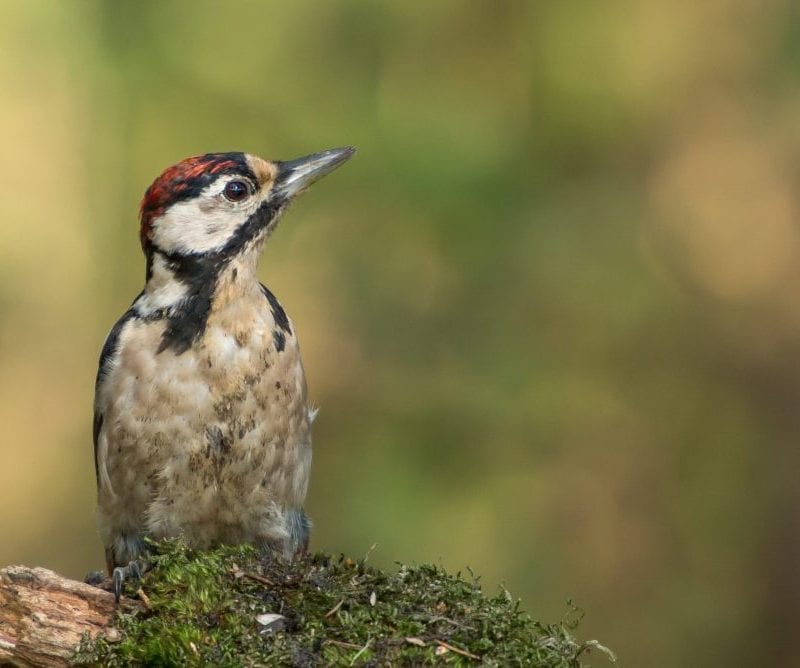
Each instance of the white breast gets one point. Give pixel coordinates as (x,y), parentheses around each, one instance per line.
(213,443)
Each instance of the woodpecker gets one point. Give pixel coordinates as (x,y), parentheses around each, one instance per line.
(202,426)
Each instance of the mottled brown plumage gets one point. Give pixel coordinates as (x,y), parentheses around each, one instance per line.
(202,423)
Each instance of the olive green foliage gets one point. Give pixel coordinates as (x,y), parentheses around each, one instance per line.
(549,310)
(205,608)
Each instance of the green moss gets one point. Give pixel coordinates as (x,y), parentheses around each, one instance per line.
(203,608)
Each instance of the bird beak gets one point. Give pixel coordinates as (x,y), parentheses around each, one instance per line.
(294,176)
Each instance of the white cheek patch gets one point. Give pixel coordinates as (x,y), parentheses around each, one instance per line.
(203,223)
(188,227)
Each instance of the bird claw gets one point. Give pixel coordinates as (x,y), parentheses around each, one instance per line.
(121,573)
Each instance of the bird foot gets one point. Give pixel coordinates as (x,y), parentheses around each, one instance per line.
(133,570)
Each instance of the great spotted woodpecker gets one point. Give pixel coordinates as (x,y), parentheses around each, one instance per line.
(202,426)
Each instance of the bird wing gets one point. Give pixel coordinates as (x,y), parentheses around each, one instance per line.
(109,348)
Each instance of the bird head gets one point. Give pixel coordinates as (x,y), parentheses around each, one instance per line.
(219,204)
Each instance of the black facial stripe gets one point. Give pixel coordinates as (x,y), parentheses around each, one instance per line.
(200,271)
(258,220)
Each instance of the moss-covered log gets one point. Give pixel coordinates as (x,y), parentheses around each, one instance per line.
(229,607)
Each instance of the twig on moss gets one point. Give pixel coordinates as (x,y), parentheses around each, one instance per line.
(457,650)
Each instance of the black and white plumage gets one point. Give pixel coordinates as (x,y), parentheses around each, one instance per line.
(201,420)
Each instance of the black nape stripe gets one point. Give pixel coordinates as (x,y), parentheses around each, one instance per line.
(186,324)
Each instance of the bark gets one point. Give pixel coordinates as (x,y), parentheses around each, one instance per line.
(44,615)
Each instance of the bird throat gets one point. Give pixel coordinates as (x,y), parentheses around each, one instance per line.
(183,289)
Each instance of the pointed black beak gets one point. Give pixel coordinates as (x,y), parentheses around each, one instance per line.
(294,176)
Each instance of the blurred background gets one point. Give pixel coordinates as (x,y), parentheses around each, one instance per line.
(550,312)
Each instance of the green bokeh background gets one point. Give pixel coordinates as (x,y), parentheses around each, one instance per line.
(550,311)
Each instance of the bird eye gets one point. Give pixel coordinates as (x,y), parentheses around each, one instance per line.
(236,191)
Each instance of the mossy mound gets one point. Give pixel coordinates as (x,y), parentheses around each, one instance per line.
(227,607)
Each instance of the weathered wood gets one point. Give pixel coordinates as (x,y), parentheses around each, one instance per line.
(43,616)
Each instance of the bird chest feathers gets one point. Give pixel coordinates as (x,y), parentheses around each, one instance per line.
(233,395)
